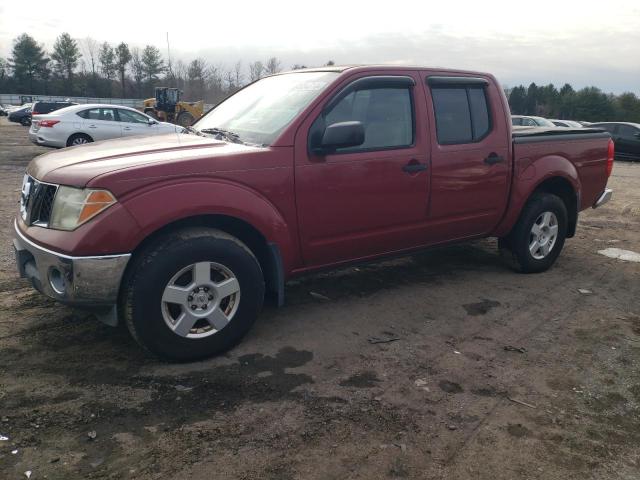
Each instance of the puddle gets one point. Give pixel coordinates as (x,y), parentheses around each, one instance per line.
(626,255)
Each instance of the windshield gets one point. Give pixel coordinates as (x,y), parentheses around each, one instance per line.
(258,113)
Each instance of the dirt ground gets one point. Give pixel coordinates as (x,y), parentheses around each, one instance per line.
(440,365)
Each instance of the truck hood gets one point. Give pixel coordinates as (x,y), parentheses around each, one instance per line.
(76,166)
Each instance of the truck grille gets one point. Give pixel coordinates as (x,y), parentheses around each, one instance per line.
(36,201)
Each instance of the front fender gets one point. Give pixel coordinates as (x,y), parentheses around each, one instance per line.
(529,174)
(159,205)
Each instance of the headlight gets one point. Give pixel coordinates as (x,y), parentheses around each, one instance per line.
(74,206)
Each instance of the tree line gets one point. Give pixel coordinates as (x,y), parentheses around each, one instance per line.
(588,104)
(89,68)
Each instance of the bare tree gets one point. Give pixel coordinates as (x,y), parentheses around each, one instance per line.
(215,84)
(239,77)
(230,80)
(273,66)
(196,79)
(138,69)
(256,71)
(90,48)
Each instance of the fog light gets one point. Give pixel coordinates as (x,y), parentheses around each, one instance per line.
(56,280)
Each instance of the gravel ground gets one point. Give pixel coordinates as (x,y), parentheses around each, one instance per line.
(440,365)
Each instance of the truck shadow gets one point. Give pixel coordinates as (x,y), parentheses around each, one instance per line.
(431,266)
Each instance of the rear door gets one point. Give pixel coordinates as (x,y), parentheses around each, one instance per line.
(470,155)
(101,123)
(373,198)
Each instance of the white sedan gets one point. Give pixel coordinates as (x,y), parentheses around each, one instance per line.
(87,123)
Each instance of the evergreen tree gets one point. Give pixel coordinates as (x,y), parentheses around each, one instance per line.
(107,59)
(66,55)
(152,64)
(517,100)
(531,100)
(28,61)
(123,57)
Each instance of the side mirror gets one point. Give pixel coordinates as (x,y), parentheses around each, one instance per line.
(151,121)
(341,135)
(637,135)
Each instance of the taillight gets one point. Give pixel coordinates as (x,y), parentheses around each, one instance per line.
(610,154)
(48,123)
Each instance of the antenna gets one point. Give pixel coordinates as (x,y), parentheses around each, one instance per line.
(169,56)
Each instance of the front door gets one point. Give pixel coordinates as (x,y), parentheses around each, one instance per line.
(373,198)
(627,140)
(134,123)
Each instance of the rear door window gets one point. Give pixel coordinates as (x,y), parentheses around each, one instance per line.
(627,131)
(105,114)
(462,114)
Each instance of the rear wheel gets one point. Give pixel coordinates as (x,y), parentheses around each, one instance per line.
(25,121)
(78,139)
(192,294)
(538,237)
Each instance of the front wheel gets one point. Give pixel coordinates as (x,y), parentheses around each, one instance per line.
(192,294)
(538,237)
(185,119)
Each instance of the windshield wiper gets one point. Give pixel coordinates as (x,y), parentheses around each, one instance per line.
(190,129)
(223,134)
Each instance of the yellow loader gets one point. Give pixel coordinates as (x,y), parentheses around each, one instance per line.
(167,107)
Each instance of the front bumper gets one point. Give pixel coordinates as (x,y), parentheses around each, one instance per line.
(603,198)
(78,281)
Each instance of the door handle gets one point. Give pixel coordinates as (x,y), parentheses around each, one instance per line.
(414,167)
(493,158)
(92,126)
(127,128)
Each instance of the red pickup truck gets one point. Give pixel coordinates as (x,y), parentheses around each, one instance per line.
(182,236)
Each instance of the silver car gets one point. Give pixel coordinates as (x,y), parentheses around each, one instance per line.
(87,123)
(530,121)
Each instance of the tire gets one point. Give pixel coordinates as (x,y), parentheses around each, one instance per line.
(532,246)
(185,119)
(78,139)
(25,121)
(172,266)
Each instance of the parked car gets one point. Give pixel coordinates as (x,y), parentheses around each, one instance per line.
(181,236)
(41,108)
(529,121)
(88,123)
(626,137)
(566,123)
(21,115)
(3,111)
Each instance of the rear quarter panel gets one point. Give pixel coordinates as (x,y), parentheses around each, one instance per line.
(582,162)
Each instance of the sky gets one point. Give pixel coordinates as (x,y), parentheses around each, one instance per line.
(580,42)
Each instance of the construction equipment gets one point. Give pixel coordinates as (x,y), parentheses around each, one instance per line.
(168,107)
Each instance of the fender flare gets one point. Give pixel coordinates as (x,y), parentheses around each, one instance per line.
(179,200)
(529,176)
